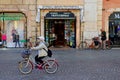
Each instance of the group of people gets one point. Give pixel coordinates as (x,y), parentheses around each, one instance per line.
(15,37)
(41,47)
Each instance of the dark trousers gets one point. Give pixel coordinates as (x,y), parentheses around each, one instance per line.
(39,59)
(17,42)
(119,40)
(4,42)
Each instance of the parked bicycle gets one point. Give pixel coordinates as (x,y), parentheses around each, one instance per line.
(85,45)
(26,66)
(98,43)
(94,44)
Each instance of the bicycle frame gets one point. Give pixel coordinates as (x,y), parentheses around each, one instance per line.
(47,59)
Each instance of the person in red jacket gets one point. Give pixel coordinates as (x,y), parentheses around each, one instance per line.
(4,38)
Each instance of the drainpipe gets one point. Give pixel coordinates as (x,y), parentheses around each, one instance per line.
(36,23)
(82,20)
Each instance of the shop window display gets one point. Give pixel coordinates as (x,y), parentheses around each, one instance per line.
(11,23)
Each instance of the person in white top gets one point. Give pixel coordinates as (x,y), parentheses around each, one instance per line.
(41,47)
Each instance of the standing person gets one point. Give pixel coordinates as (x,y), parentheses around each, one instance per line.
(13,32)
(103,38)
(4,38)
(42,48)
(17,39)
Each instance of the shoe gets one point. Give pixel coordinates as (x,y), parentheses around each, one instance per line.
(38,67)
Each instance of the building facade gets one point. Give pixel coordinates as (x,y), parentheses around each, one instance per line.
(111,20)
(69,23)
(17,16)
(61,22)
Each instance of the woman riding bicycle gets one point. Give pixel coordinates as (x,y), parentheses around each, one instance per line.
(41,47)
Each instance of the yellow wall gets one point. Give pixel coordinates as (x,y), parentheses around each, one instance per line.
(60,2)
(18,1)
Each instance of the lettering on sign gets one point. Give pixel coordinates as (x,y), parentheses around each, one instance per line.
(60,15)
(11,16)
(117,16)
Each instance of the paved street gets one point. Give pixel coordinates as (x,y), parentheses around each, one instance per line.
(73,65)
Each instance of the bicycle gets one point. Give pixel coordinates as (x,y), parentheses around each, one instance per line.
(26,66)
(108,43)
(84,45)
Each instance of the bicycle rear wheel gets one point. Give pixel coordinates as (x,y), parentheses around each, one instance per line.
(51,66)
(25,67)
(109,44)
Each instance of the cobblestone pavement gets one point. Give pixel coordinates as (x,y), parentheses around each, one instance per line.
(73,65)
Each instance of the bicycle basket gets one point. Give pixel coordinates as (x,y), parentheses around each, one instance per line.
(26,53)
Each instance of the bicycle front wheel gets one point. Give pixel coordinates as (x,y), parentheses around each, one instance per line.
(51,66)
(83,45)
(25,67)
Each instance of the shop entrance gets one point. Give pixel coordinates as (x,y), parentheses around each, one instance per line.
(114,28)
(60,29)
(59,33)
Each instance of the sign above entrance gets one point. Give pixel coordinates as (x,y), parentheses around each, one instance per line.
(115,15)
(11,16)
(60,15)
(60,7)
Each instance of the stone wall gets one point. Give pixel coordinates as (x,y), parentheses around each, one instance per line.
(61,2)
(92,14)
(93,18)
(28,7)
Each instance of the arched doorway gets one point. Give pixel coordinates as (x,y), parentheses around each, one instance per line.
(10,22)
(114,28)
